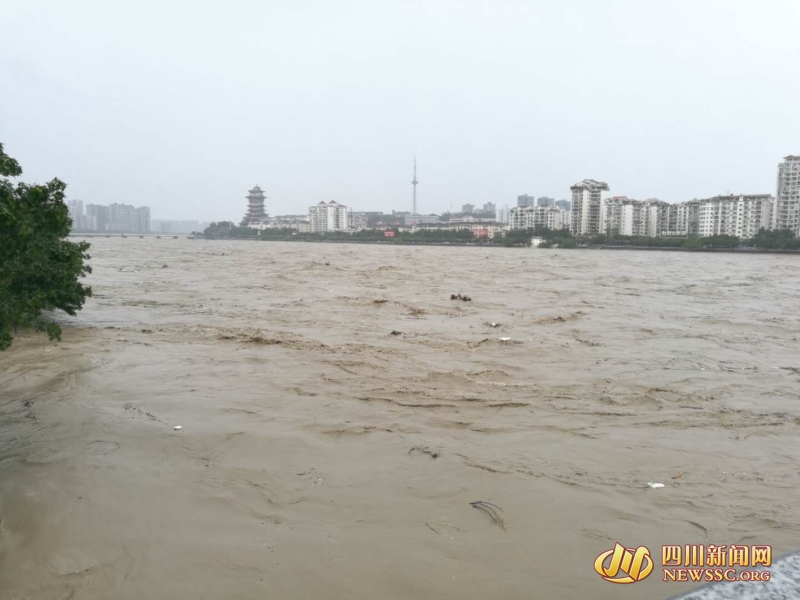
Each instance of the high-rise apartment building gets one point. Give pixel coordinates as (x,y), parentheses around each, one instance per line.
(679,219)
(562,204)
(545,201)
(538,216)
(75,208)
(622,216)
(502,215)
(588,202)
(100,215)
(141,219)
(468,209)
(489,207)
(740,216)
(525,200)
(120,217)
(329,216)
(787,197)
(128,218)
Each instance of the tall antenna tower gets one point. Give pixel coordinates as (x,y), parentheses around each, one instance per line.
(414,183)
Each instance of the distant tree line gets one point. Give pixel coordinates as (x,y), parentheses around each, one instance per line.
(227,230)
(779,239)
(783,239)
(552,238)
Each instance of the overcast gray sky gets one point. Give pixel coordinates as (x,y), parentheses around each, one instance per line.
(184,105)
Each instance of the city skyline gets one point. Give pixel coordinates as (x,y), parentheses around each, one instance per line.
(494,100)
(521,200)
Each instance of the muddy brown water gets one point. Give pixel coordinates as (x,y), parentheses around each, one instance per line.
(305,467)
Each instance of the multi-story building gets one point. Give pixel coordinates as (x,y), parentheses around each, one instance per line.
(525,200)
(566,219)
(502,215)
(101,216)
(740,216)
(562,204)
(489,207)
(545,201)
(468,209)
(650,219)
(787,197)
(629,217)
(538,216)
(678,219)
(356,220)
(298,222)
(479,229)
(588,201)
(141,219)
(127,218)
(470,219)
(618,216)
(419,219)
(329,216)
(121,217)
(625,216)
(89,223)
(75,208)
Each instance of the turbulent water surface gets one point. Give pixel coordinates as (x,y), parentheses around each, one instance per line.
(340,413)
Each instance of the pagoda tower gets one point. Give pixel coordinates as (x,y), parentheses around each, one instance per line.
(255,207)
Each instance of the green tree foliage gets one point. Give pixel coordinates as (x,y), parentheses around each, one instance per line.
(517,237)
(779,239)
(633,241)
(39,268)
(721,241)
(226,229)
(693,242)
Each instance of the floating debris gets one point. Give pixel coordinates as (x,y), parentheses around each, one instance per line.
(495,512)
(432,529)
(425,450)
(395,332)
(505,339)
(460,296)
(178,427)
(380,301)
(655,486)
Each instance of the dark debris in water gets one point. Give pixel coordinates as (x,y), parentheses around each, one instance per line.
(495,512)
(425,450)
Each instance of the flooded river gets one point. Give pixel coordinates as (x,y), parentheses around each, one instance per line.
(340,413)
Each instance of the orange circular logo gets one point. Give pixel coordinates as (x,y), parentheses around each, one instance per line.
(624,565)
